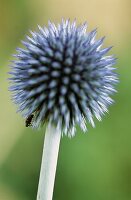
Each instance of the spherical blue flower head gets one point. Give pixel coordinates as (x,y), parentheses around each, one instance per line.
(63,77)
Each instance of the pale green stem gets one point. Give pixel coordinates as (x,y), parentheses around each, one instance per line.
(49,163)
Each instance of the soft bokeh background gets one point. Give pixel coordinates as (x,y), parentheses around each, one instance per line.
(91,166)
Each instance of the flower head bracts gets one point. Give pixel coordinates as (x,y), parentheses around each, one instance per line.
(63,77)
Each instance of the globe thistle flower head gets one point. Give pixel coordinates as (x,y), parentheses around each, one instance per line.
(63,77)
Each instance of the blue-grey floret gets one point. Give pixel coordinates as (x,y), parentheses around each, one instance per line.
(63,77)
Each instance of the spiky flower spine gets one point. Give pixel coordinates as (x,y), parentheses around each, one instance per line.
(63,76)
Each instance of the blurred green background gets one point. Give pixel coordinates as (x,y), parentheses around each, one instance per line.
(91,166)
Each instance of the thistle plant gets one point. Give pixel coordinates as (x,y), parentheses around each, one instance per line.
(61,78)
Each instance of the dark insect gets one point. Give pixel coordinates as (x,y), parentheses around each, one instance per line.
(28,121)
